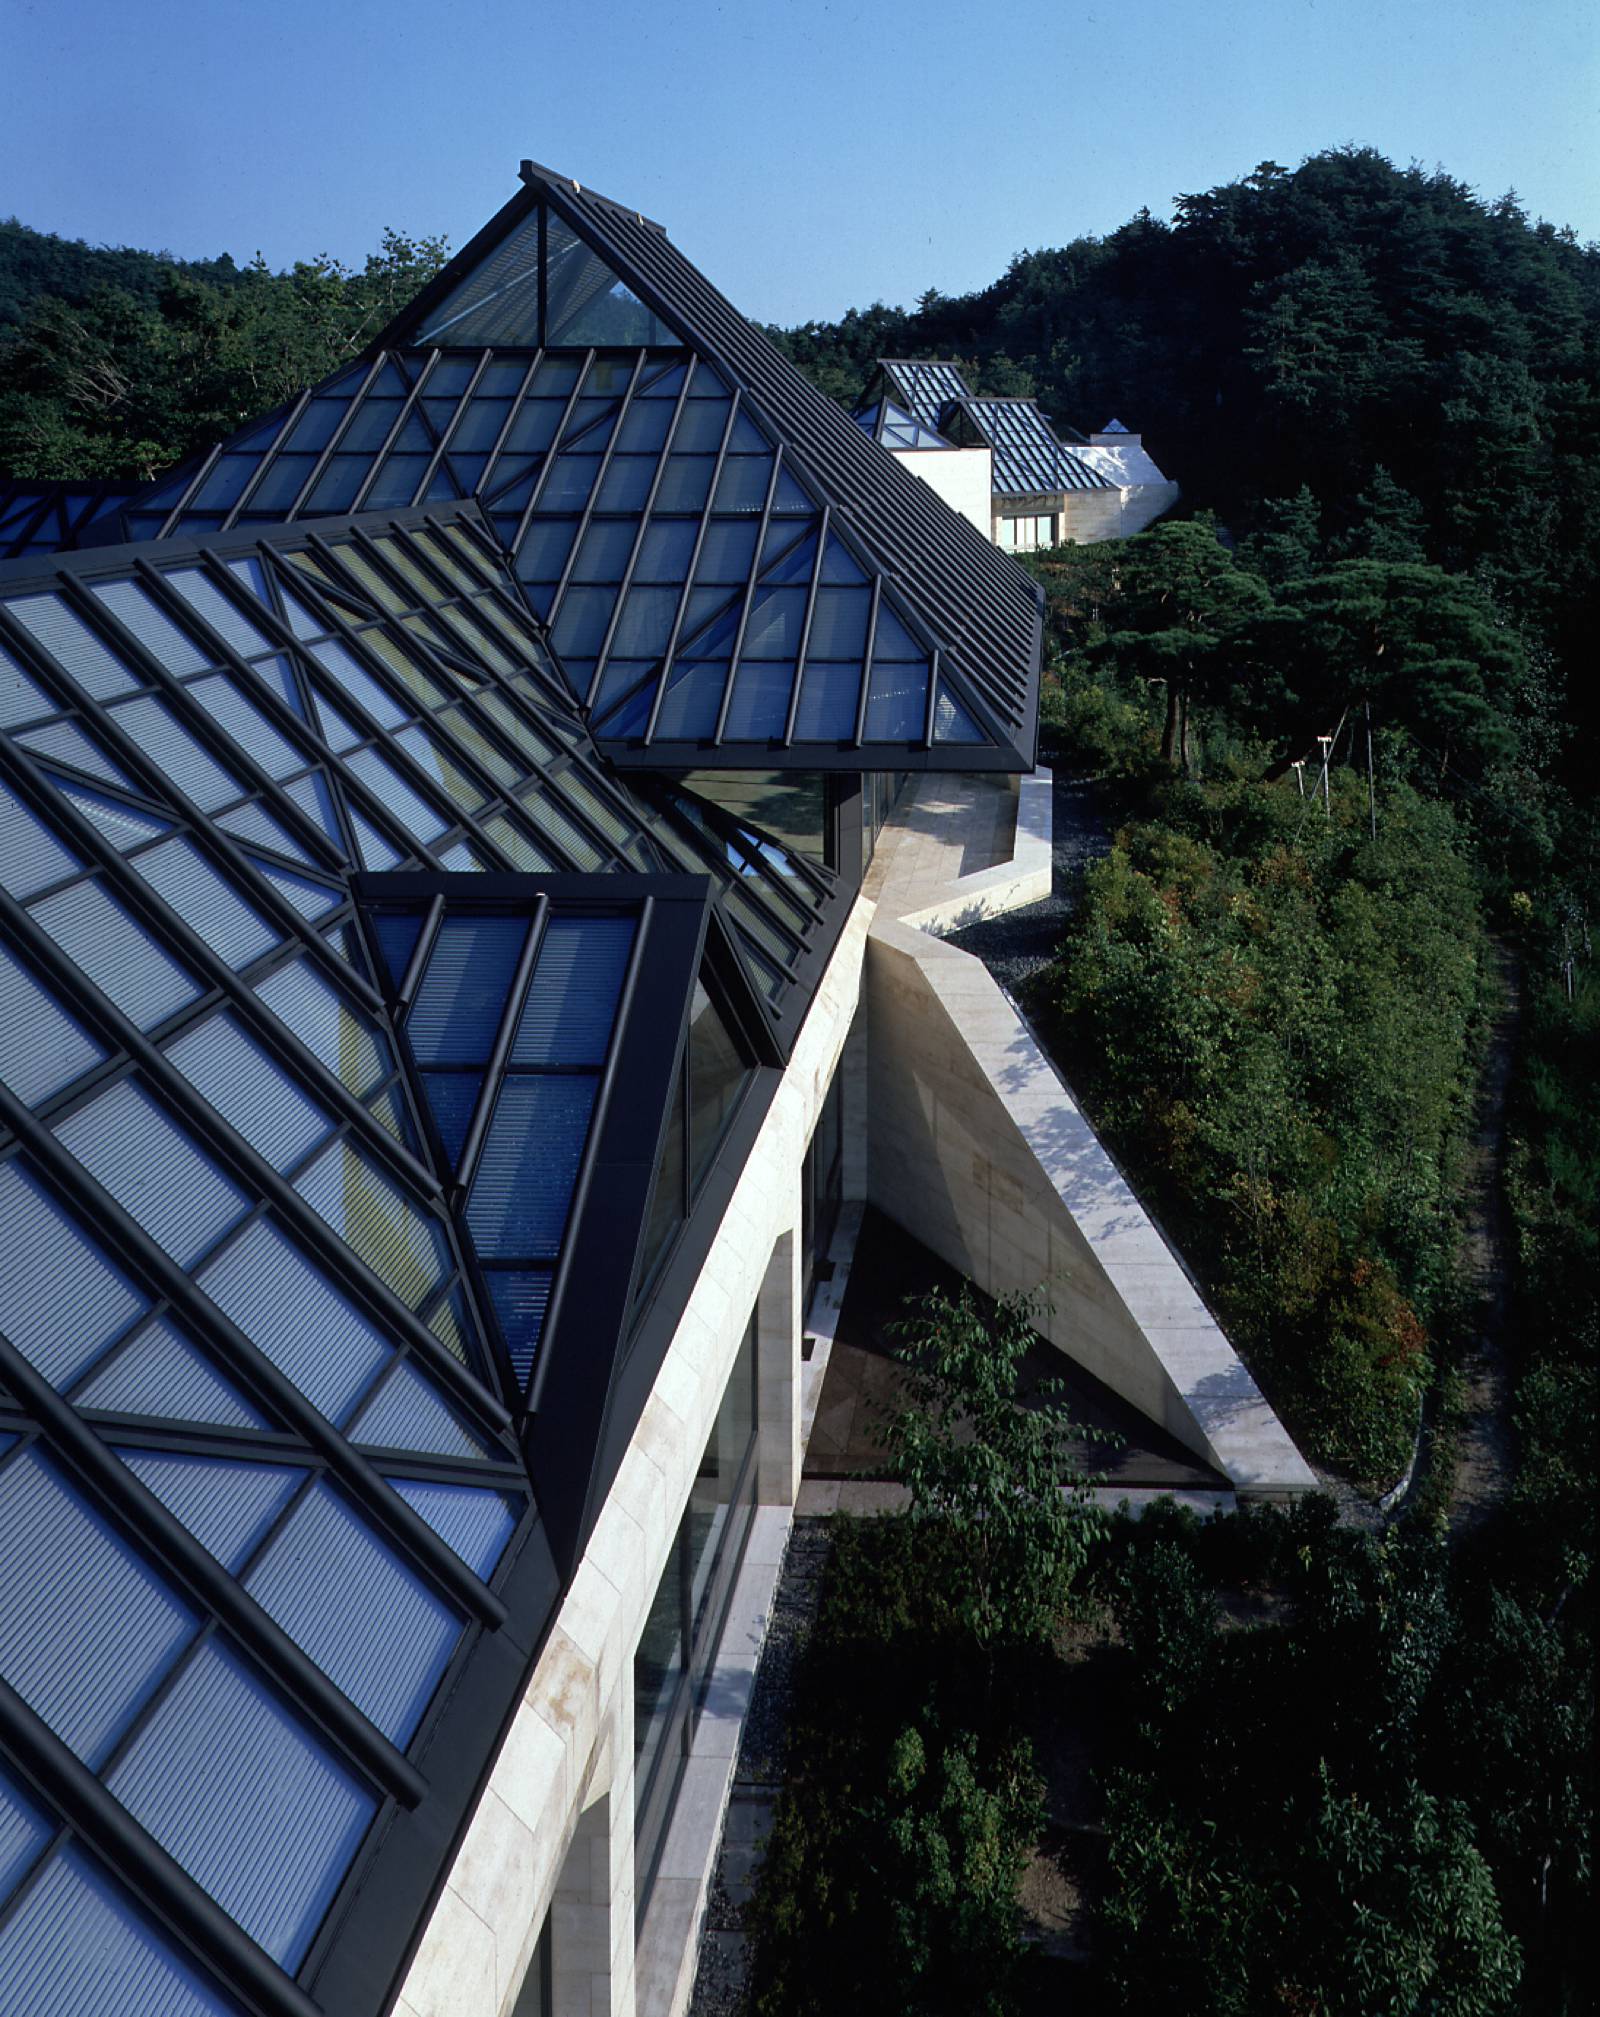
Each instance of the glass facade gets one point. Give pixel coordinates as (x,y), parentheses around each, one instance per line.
(672,1666)
(711,1080)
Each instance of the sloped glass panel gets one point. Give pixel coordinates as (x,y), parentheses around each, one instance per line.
(25,1832)
(666,551)
(87,1627)
(839,623)
(897,701)
(343,1037)
(315,1338)
(521,1297)
(717,1076)
(250,1090)
(78,1930)
(572,1001)
(829,696)
(498,301)
(476,1522)
(31,857)
(130,602)
(951,721)
(314,796)
(123,825)
(117,954)
(376,852)
(759,708)
(154,1171)
(244,723)
(523,1186)
(402,1244)
(241,1793)
(277,675)
(451,1098)
(837,566)
(691,703)
(228,1506)
(208,602)
(162,1373)
(21,700)
(67,743)
(408,1412)
(42,1048)
(392,791)
(463,992)
(343,1595)
(62,1301)
(587,303)
(72,644)
(397,936)
(891,639)
(178,872)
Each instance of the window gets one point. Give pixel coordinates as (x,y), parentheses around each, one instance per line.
(678,1645)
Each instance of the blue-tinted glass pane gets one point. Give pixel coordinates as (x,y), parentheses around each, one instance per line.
(151,724)
(370,1623)
(206,901)
(208,601)
(250,1090)
(130,603)
(891,639)
(572,1002)
(162,1372)
(742,486)
(311,899)
(376,852)
(391,791)
(402,1244)
(154,1171)
(125,826)
(692,701)
(451,1098)
(227,1506)
(67,743)
(21,698)
(72,644)
(408,1412)
(314,796)
(520,1297)
(839,623)
(828,698)
(523,1186)
(240,1792)
(291,1313)
(41,1048)
(346,1040)
(246,725)
(951,721)
(463,992)
(397,940)
(62,1302)
(897,702)
(666,551)
(87,1627)
(475,1522)
(79,1941)
(759,709)
(685,482)
(117,954)
(31,857)
(358,683)
(25,1829)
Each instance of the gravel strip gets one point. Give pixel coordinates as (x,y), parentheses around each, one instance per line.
(1015,946)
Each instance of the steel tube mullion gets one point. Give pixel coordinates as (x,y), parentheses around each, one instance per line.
(102,1822)
(552,451)
(204,832)
(228,1146)
(485,490)
(380,455)
(694,561)
(420,490)
(500,1050)
(644,519)
(463,401)
(866,660)
(421,952)
(268,455)
(207,464)
(749,596)
(197,1309)
(326,454)
(805,628)
(275,1037)
(586,516)
(206,1579)
(933,688)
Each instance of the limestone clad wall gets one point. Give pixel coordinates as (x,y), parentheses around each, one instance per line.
(961,476)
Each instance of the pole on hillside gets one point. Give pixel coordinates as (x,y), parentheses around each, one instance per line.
(1327,752)
(1372,803)
(1300,774)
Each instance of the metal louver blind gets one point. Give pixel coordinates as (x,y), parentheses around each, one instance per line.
(161,1373)
(227,1506)
(572,1002)
(41,1047)
(117,954)
(30,855)
(154,1170)
(177,871)
(64,1301)
(235,1787)
(474,1521)
(523,1187)
(463,992)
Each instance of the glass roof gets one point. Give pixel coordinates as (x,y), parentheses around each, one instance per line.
(923,386)
(1028,458)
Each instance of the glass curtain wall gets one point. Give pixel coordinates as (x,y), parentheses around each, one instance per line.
(678,1645)
(822,1187)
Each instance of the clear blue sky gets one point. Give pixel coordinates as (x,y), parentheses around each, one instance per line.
(811,155)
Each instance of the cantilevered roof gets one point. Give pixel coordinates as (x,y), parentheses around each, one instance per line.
(731,572)
(311,1371)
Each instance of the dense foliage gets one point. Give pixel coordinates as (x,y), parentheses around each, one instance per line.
(890,1881)
(1415,371)
(1370,1792)
(119,363)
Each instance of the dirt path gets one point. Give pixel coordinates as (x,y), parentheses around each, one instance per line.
(1484,1450)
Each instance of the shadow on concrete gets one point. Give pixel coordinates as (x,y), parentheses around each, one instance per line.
(889,1267)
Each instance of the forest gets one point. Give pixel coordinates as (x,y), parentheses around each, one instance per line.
(1341,715)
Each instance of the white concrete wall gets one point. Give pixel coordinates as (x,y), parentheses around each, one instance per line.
(979,1149)
(961,476)
(570,1744)
(1090,515)
(1143,504)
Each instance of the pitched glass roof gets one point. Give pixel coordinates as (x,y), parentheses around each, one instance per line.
(1028,458)
(891,424)
(44,517)
(924,386)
